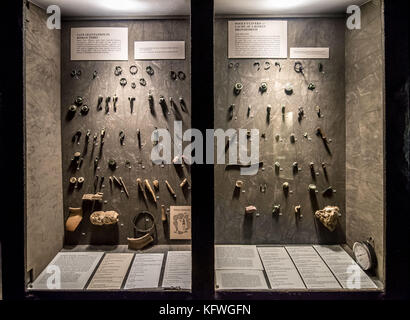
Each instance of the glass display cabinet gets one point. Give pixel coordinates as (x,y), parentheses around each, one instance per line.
(103,212)
(304,84)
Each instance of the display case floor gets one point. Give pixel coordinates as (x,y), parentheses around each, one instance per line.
(290,268)
(113,268)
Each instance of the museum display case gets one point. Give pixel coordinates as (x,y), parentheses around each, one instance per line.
(199,150)
(299,201)
(102,211)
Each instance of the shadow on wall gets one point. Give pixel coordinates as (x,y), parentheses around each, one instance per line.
(403,97)
(1,277)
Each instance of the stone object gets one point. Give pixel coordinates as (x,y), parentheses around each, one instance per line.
(100,218)
(328,217)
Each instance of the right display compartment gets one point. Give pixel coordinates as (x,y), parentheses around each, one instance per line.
(300,183)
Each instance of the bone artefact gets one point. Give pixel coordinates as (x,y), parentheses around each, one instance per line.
(93,197)
(100,218)
(328,217)
(139,243)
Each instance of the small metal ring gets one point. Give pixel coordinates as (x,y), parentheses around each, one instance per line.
(123,82)
(147,215)
(298,67)
(85,109)
(181,75)
(78,101)
(133,69)
(143,82)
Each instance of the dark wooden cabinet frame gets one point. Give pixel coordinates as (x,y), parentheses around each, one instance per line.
(202,16)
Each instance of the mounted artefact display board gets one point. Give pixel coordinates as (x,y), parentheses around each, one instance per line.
(318,184)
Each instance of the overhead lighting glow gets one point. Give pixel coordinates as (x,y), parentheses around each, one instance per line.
(283,4)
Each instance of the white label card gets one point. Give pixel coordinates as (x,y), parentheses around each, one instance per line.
(257,39)
(99,43)
(178,270)
(237,257)
(159,50)
(111,272)
(346,270)
(281,271)
(68,270)
(313,270)
(309,53)
(145,271)
(240,279)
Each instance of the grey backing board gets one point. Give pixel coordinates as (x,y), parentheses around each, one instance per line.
(107,84)
(365,109)
(43,173)
(230,224)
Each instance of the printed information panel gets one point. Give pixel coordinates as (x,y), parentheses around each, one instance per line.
(159,50)
(99,43)
(309,53)
(257,39)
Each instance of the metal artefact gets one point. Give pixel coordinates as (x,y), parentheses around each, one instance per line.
(173,75)
(133,69)
(72,109)
(311,86)
(298,67)
(112,164)
(321,134)
(276,209)
(131,100)
(123,82)
(76,74)
(182,104)
(122,137)
(78,101)
(115,100)
(237,88)
(288,89)
(181,75)
(263,87)
(99,102)
(149,70)
(107,104)
(257,65)
(84,109)
(117,70)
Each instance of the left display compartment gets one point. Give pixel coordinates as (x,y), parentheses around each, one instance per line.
(107,171)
